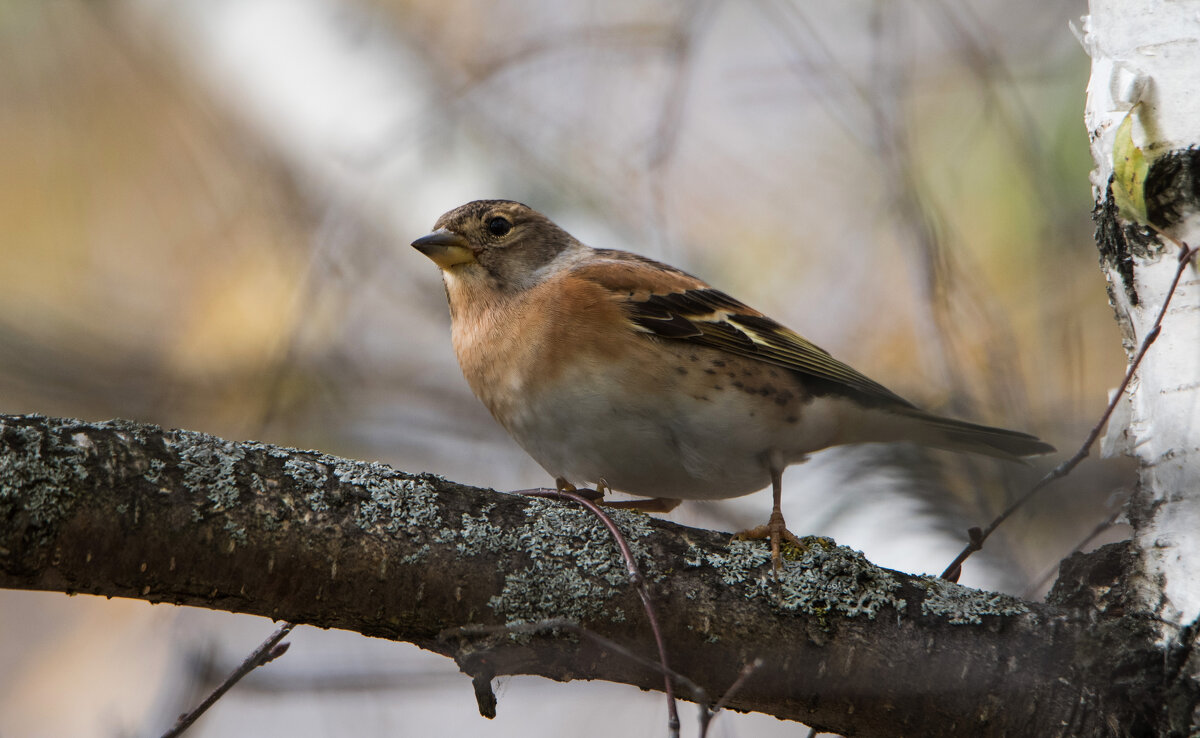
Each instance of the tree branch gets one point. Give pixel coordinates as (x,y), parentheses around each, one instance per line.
(129,510)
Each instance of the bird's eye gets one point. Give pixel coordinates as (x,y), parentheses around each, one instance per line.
(499,226)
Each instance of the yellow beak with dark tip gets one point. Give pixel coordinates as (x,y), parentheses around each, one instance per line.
(445,247)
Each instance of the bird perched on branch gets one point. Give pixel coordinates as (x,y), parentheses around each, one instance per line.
(612,368)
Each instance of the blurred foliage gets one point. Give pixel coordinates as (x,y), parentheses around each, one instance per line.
(151,255)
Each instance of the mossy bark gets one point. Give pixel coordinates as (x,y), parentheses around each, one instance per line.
(128,510)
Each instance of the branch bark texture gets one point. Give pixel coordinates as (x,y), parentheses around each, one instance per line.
(129,510)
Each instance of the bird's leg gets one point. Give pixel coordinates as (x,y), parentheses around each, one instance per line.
(775,529)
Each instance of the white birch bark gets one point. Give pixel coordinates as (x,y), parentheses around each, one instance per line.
(1148,51)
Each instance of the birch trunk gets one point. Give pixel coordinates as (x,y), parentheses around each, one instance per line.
(1148,52)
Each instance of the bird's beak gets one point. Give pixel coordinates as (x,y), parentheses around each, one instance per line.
(445,247)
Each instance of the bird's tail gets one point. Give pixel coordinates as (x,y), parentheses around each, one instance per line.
(959,435)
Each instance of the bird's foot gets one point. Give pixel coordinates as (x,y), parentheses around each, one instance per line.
(776,531)
(595,495)
(653,504)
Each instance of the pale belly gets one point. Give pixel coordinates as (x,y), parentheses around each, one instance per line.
(671,437)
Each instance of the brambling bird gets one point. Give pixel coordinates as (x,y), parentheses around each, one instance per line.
(612,368)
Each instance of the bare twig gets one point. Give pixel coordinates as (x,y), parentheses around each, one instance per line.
(635,575)
(680,54)
(1049,573)
(977,536)
(270,650)
(630,38)
(706,716)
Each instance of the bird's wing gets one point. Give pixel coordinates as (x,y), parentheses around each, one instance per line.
(665,302)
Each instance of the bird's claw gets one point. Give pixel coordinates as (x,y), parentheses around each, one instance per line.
(776,531)
(595,495)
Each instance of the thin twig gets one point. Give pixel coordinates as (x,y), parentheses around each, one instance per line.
(1049,573)
(264,654)
(706,716)
(681,58)
(977,536)
(738,683)
(635,575)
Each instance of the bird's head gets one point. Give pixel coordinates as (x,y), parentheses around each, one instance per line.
(502,241)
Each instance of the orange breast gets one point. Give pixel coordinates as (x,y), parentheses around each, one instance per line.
(511,345)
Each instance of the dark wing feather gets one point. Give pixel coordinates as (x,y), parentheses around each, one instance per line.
(668,303)
(708,317)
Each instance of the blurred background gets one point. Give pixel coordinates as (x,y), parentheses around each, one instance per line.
(205,212)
